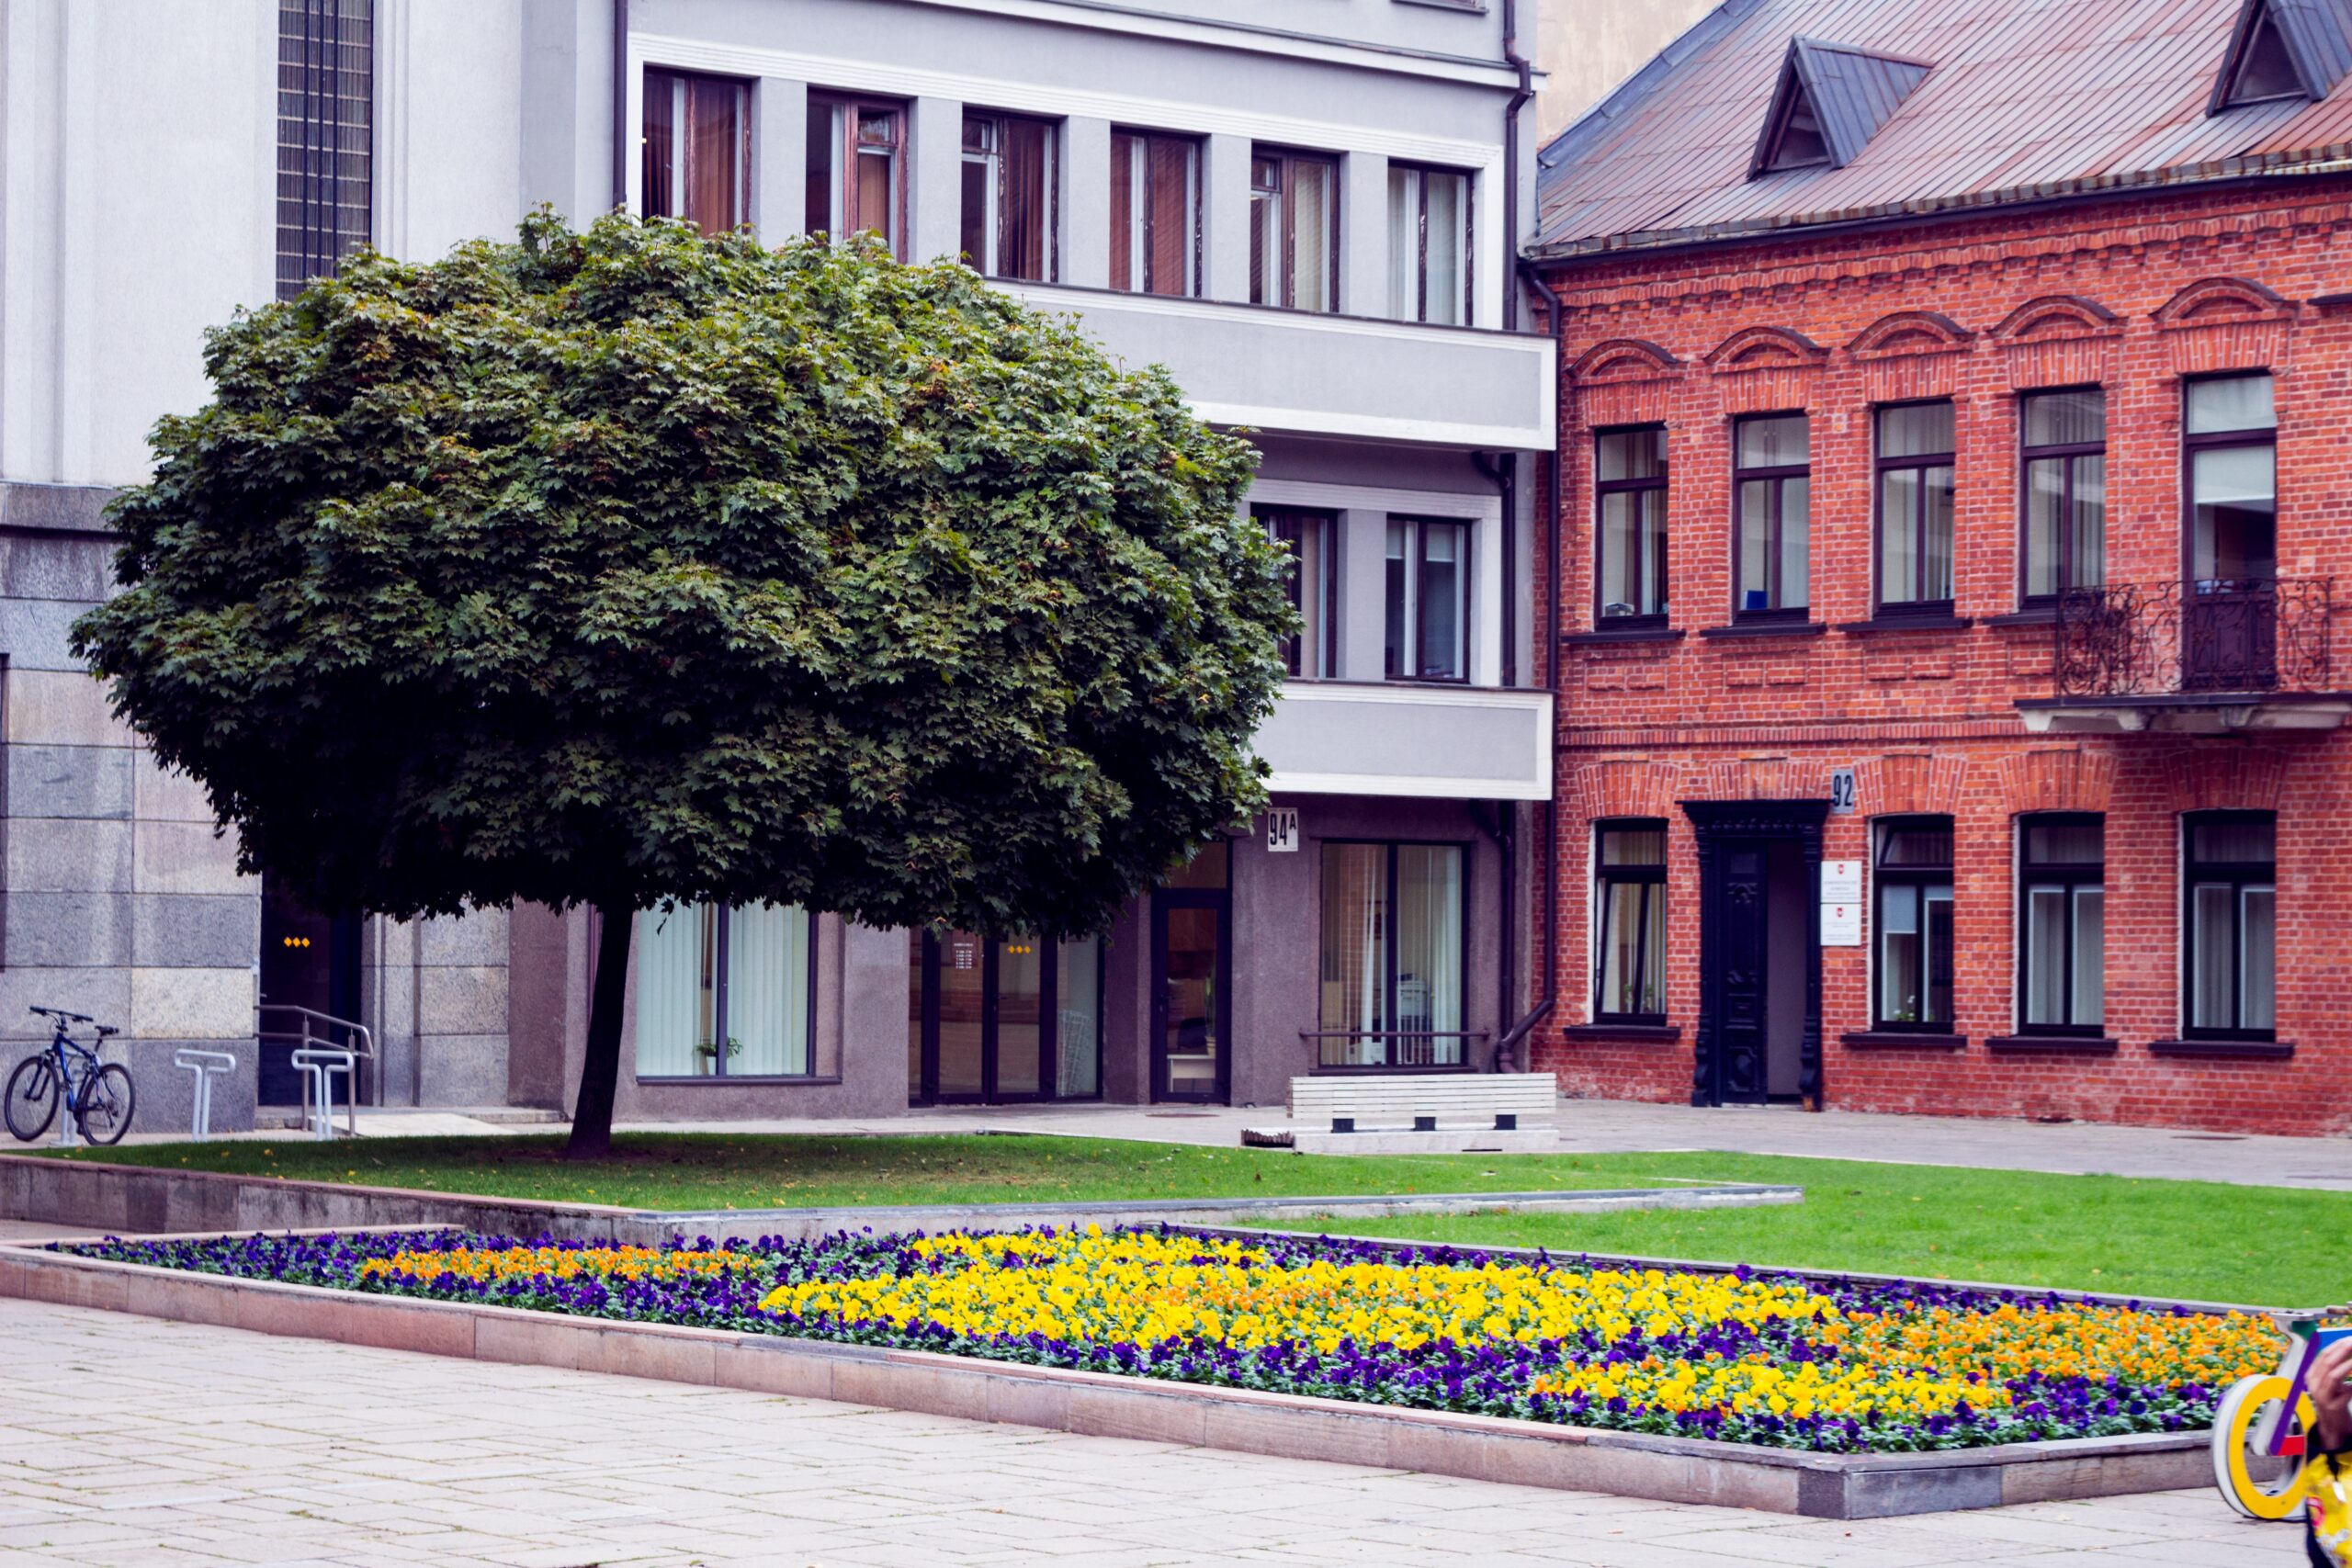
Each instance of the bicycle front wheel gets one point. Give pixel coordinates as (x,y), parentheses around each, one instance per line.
(32,1098)
(106,1098)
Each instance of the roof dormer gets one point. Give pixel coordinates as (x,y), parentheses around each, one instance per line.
(1831,99)
(2284,49)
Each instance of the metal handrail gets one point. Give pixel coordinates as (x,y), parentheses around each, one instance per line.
(358,1039)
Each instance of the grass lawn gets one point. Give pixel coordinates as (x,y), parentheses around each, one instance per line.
(2199,1240)
(716,1170)
(2194,1240)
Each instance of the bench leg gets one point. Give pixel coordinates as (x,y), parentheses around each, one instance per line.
(1506,1121)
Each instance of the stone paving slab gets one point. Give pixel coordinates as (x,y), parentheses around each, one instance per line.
(128,1442)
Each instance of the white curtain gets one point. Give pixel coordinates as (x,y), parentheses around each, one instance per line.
(674,993)
(1429,945)
(767,989)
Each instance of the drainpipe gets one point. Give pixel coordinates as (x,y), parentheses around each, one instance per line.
(620,103)
(1507,1048)
(1520,94)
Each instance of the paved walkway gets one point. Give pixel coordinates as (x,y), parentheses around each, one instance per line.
(125,1441)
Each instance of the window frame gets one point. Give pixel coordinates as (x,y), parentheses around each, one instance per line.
(993,159)
(1640,620)
(1323,618)
(2239,876)
(2191,445)
(1777,476)
(1920,463)
(684,179)
(1285,193)
(849,110)
(1390,1010)
(1417,526)
(2070,877)
(719,983)
(1139,209)
(2072,453)
(1648,878)
(1417,174)
(1923,878)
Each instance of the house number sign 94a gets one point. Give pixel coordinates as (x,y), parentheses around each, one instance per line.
(1282,830)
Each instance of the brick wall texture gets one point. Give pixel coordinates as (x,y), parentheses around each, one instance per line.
(2131,295)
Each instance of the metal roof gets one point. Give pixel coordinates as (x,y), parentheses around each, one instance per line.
(2017,100)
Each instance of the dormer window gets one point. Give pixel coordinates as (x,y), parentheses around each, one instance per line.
(2282,52)
(1830,101)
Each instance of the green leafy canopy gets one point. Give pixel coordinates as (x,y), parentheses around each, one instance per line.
(628,565)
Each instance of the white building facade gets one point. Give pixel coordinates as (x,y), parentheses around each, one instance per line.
(1313,224)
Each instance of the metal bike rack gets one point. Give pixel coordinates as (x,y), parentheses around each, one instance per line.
(318,1066)
(206,1066)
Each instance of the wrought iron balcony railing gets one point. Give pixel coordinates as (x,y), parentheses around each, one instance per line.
(2211,637)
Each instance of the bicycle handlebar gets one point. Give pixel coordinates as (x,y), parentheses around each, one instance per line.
(61,1014)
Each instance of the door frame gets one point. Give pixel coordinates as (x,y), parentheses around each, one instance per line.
(1220,901)
(1719,824)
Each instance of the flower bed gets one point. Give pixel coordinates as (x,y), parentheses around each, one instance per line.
(1747,1356)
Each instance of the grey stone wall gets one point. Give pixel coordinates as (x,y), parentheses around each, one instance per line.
(435,993)
(120,900)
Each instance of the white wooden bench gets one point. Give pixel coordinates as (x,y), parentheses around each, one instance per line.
(1393,1112)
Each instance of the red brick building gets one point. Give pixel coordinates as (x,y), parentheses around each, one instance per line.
(1956,461)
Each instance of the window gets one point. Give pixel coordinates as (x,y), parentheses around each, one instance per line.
(724,992)
(1772,531)
(1393,955)
(2264,70)
(325,106)
(2231,447)
(2232,924)
(1428,635)
(1017,1018)
(1914,890)
(1310,537)
(1294,230)
(2062,914)
(2063,451)
(1628,923)
(1428,246)
(1915,453)
(1631,489)
(855,165)
(1155,213)
(1009,212)
(698,150)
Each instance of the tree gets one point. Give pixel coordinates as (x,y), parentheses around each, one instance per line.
(630,566)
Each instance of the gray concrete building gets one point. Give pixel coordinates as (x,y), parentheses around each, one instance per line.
(1311,217)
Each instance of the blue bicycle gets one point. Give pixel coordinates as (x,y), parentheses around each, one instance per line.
(97,1095)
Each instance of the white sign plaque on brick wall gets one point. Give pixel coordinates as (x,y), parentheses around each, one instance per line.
(1841,903)
(1282,830)
(1842,925)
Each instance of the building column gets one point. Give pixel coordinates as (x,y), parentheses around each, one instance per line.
(779,158)
(1364,595)
(935,178)
(1364,234)
(1085,201)
(1225,219)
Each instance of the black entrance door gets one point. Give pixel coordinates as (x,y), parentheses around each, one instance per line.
(1191,990)
(1760,951)
(309,961)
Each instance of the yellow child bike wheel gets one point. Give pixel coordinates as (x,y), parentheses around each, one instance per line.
(2259,1485)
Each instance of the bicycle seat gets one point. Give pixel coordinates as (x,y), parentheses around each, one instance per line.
(106,1029)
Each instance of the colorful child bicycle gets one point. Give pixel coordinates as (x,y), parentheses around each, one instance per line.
(2261,1461)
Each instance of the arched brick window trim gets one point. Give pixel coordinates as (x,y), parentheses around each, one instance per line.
(2236,778)
(2223,298)
(1756,348)
(2057,779)
(2058,315)
(1601,790)
(1911,331)
(1907,784)
(1621,358)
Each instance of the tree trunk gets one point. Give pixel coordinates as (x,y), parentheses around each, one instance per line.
(591,1114)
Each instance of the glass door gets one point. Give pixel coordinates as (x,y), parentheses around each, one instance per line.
(988,1022)
(1192,990)
(961,1072)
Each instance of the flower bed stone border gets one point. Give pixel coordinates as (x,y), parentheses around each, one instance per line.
(126,1198)
(1674,1469)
